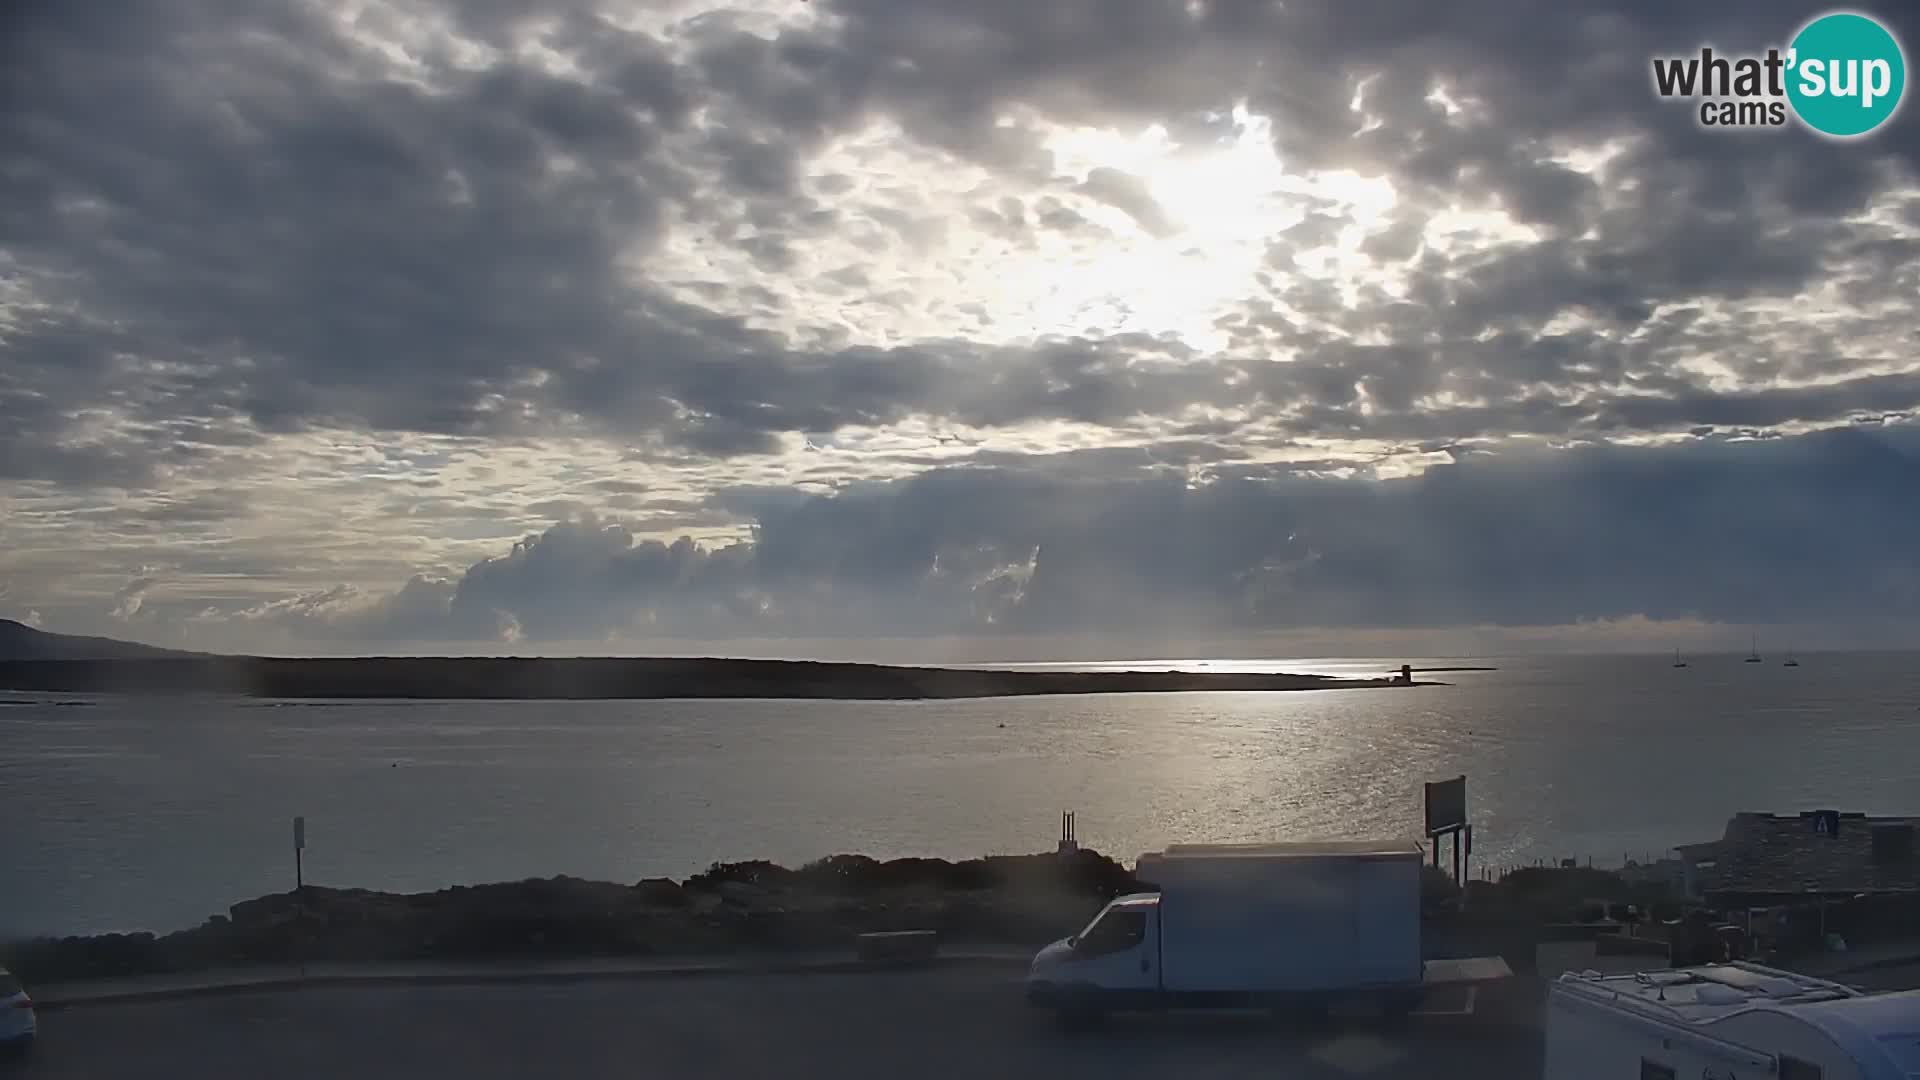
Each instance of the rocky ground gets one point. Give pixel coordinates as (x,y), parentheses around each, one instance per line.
(1003,900)
(753,905)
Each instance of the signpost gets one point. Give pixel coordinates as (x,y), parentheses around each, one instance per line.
(300,892)
(299,845)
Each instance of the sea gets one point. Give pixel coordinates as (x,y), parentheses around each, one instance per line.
(125,813)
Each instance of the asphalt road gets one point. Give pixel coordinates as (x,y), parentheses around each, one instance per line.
(941,1023)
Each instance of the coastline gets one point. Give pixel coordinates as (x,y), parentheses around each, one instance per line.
(606,678)
(733,909)
(755,906)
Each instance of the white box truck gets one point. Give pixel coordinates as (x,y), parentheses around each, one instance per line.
(1727,1022)
(1254,925)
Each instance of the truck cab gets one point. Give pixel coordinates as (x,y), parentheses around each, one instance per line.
(1116,958)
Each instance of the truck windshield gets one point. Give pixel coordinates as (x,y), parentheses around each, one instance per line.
(1115,930)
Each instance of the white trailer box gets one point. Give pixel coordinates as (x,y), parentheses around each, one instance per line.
(1728,1022)
(1287,917)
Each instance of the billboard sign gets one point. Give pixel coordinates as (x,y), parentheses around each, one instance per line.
(1446,805)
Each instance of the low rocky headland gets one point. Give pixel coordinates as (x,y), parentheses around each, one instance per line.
(730,908)
(33,660)
(523,678)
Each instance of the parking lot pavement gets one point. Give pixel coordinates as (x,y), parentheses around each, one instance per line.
(944,1023)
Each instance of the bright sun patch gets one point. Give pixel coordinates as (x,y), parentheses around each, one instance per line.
(1133,233)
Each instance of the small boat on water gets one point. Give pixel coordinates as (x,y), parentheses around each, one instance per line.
(1677,662)
(1790,661)
(1753,653)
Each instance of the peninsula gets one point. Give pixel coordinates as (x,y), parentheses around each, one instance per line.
(55,663)
(492,677)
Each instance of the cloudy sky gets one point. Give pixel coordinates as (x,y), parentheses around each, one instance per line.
(862,327)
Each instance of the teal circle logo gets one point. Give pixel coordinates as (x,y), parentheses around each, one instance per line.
(1846,74)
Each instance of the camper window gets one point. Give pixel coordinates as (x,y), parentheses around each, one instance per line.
(1792,1068)
(1653,1070)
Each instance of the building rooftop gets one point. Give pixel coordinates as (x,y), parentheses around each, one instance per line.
(1788,853)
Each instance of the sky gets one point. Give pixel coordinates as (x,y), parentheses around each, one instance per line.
(921,329)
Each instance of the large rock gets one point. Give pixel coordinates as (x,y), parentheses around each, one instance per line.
(262,909)
(660,892)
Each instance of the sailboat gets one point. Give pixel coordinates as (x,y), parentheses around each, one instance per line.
(1790,661)
(1677,662)
(1753,653)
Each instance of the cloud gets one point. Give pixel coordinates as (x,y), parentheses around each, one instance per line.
(128,599)
(1128,194)
(451,250)
(284,292)
(1704,531)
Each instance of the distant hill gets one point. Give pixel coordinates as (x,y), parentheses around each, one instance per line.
(18,641)
(35,660)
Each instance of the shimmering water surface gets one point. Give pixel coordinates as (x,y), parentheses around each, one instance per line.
(120,813)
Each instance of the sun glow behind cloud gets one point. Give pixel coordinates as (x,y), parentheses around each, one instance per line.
(929,247)
(1222,204)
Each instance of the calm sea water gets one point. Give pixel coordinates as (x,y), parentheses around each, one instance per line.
(154,813)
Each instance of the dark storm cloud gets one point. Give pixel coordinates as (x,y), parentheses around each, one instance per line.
(223,222)
(237,217)
(1689,215)
(1805,528)
(323,249)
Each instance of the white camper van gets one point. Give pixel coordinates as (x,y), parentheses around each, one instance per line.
(1239,925)
(1728,1022)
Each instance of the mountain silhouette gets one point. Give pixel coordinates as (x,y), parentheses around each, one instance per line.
(18,641)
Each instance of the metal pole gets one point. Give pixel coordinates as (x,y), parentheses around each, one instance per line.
(300,893)
(1456,858)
